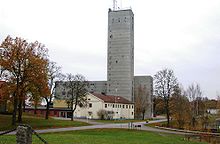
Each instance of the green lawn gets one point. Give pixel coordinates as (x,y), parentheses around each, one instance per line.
(38,122)
(105,136)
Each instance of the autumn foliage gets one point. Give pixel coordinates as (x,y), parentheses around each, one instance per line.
(24,68)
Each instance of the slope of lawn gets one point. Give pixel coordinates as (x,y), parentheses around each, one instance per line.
(38,122)
(105,136)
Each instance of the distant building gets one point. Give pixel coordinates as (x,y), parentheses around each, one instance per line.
(116,107)
(213,111)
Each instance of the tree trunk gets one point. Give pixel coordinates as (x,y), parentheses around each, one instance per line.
(143,112)
(47,110)
(167,113)
(168,119)
(35,109)
(73,109)
(14,110)
(142,116)
(24,105)
(154,108)
(20,111)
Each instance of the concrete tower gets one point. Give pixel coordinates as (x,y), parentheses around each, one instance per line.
(120,72)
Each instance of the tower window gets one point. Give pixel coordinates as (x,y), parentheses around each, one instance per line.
(112,20)
(111,36)
(119,20)
(116,61)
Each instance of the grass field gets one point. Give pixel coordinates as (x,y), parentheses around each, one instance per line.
(105,136)
(38,122)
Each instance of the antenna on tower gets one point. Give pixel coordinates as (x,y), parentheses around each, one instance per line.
(114,5)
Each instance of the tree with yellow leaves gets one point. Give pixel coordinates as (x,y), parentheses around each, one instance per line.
(23,66)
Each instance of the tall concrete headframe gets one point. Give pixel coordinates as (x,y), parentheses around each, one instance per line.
(120,67)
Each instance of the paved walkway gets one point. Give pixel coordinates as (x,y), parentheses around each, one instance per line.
(82,120)
(108,125)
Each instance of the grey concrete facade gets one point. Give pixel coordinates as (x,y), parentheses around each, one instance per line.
(98,87)
(93,86)
(120,61)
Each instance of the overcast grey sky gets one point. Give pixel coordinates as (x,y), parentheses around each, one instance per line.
(183,35)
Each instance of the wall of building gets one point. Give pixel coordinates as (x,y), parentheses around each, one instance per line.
(93,86)
(97,86)
(125,111)
(120,62)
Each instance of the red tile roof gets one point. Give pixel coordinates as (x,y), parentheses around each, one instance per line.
(112,99)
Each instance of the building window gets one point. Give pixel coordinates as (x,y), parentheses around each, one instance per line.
(119,20)
(113,105)
(112,20)
(105,105)
(132,106)
(116,61)
(126,106)
(129,106)
(125,19)
(111,36)
(132,113)
(123,106)
(90,105)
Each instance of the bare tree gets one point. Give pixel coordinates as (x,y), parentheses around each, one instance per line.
(194,93)
(76,95)
(141,102)
(164,83)
(54,74)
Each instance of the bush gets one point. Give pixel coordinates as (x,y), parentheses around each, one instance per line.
(103,114)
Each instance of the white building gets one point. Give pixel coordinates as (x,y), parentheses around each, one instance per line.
(117,107)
